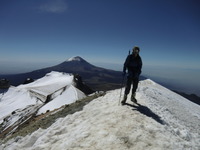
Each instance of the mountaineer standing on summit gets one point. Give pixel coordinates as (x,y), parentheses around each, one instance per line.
(133,64)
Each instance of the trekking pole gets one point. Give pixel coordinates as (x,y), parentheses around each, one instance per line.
(121,90)
(122,83)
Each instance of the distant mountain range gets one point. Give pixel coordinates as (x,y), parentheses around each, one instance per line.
(96,77)
(192,97)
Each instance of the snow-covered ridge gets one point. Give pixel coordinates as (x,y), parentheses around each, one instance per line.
(48,93)
(161,120)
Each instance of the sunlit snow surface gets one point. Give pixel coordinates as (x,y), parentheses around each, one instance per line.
(162,120)
(19,97)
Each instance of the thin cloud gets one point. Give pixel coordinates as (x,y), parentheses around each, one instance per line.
(54,6)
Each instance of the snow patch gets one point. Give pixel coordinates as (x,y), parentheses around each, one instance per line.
(70,95)
(58,87)
(77,58)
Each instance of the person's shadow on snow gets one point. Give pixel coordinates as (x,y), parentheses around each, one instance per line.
(146,111)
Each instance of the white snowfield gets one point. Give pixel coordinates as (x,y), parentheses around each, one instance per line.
(59,86)
(162,120)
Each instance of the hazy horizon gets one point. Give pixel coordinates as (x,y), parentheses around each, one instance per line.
(181,79)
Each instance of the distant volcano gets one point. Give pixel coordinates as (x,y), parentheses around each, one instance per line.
(96,77)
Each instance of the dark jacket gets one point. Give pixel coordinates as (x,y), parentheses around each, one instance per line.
(134,65)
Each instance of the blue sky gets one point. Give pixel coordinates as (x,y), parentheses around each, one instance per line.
(40,33)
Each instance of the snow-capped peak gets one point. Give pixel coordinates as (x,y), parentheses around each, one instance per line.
(77,58)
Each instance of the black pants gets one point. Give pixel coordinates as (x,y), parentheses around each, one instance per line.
(131,80)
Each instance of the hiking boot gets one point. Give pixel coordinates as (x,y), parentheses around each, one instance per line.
(124,99)
(133,99)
